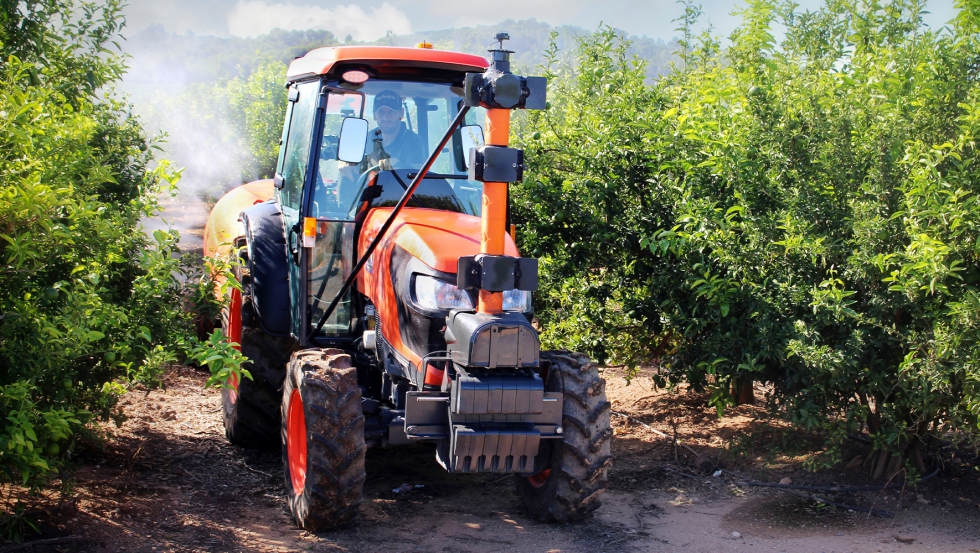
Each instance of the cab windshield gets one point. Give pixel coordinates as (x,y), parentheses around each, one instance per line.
(406,121)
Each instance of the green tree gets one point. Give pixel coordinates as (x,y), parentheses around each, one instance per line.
(258,106)
(808,218)
(88,301)
(587,199)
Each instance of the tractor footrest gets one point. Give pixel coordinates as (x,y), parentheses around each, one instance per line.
(485,449)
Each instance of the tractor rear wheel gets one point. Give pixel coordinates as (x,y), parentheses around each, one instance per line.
(251,407)
(574,469)
(322,439)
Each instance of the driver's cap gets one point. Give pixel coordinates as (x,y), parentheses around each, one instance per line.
(387,99)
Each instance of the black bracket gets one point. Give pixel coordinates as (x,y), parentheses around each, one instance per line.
(497,273)
(495,89)
(498,88)
(496,164)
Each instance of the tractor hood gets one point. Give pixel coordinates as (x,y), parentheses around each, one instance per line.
(436,238)
(420,241)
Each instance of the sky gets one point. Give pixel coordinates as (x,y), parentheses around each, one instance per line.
(372,19)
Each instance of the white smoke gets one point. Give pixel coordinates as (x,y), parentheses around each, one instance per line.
(199,140)
(255,17)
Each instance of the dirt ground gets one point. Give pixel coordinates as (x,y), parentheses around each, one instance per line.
(169,481)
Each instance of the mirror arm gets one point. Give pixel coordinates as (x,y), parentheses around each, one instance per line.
(391,219)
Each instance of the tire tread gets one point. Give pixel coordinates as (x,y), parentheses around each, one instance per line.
(580,462)
(335,439)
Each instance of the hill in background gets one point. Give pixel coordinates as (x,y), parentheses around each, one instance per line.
(170,60)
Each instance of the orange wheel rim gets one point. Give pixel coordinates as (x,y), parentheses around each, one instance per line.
(296,442)
(235,336)
(235,318)
(538,480)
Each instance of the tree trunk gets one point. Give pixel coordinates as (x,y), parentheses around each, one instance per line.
(882,463)
(743,391)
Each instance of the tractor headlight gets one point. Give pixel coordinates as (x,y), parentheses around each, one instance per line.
(432,293)
(517,300)
(435,294)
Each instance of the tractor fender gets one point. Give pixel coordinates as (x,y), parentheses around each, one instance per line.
(268,266)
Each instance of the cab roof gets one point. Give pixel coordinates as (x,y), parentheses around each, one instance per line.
(322,60)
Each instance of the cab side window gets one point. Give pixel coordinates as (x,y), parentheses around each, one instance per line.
(296,151)
(438,116)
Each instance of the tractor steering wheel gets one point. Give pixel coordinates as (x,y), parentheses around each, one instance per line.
(359,187)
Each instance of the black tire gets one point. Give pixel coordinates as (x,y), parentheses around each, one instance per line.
(574,469)
(328,494)
(251,413)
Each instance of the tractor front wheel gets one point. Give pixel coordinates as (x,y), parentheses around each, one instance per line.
(322,439)
(573,470)
(251,407)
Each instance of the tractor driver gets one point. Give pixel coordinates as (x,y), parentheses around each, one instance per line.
(405,148)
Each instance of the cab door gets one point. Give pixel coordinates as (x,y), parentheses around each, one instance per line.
(291,178)
(330,202)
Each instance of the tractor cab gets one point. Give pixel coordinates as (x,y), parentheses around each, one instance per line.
(354,139)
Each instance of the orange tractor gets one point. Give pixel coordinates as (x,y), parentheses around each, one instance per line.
(383,300)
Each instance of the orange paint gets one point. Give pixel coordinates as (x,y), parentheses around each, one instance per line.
(438,239)
(296,441)
(498,127)
(494,221)
(433,375)
(322,60)
(493,227)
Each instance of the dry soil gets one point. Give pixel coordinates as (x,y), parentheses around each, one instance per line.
(167,480)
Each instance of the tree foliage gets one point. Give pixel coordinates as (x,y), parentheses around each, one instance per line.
(586,201)
(801,213)
(89,303)
(258,105)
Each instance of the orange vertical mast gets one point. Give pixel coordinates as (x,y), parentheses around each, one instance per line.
(494,215)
